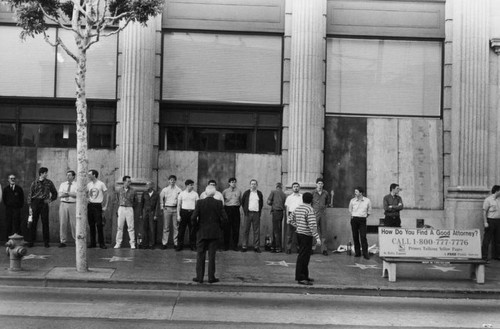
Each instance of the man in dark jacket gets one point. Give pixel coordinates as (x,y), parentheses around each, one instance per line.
(150,207)
(252,202)
(207,219)
(13,198)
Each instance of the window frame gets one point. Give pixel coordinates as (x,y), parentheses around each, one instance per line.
(184,112)
(18,104)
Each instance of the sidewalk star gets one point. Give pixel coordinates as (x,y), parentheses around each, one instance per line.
(119,259)
(33,256)
(365,267)
(444,268)
(280,263)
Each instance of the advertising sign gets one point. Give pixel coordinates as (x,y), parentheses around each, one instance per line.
(432,243)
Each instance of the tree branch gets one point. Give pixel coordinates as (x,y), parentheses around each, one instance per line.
(66,49)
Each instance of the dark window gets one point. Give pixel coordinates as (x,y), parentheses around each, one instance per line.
(223,128)
(101,136)
(48,135)
(8,134)
(52,123)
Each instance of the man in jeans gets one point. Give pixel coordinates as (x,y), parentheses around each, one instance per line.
(276,200)
(186,204)
(42,192)
(98,201)
(232,203)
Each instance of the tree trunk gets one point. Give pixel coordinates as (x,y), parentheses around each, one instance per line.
(82,167)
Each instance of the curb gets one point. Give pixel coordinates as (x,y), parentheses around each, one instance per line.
(42,281)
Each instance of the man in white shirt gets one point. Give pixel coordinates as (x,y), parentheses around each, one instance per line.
(168,198)
(186,204)
(67,208)
(98,201)
(360,208)
(292,202)
(252,202)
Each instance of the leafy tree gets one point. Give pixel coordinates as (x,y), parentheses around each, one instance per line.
(88,20)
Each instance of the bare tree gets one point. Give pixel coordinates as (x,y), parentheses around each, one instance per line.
(88,21)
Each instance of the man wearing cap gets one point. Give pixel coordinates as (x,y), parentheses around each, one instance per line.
(393,204)
(276,200)
(67,208)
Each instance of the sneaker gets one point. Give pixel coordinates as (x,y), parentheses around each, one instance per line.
(132,246)
(243,249)
(117,246)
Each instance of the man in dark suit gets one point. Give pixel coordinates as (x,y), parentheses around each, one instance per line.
(13,198)
(207,219)
(149,215)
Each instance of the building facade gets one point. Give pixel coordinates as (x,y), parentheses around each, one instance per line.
(359,92)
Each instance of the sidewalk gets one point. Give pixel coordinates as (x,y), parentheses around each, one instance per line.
(246,272)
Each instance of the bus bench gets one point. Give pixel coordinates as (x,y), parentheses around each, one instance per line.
(477,268)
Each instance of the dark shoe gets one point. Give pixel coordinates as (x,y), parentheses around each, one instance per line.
(366,257)
(310,279)
(257,250)
(235,249)
(163,246)
(178,249)
(91,246)
(151,247)
(47,245)
(325,253)
(278,251)
(196,280)
(30,244)
(305,282)
(103,246)
(288,251)
(357,255)
(214,280)
(244,249)
(62,245)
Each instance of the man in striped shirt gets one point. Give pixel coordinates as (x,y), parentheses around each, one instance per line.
(304,221)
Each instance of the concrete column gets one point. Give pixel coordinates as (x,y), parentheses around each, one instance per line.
(306,107)
(136,105)
(470,173)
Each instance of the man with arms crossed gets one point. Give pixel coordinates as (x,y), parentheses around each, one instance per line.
(393,204)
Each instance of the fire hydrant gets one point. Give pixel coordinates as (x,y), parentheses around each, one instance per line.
(15,251)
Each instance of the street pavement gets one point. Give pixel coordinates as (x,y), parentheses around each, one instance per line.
(335,274)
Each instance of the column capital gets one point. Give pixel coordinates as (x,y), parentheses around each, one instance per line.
(495,45)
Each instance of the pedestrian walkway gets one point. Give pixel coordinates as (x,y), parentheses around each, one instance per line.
(264,272)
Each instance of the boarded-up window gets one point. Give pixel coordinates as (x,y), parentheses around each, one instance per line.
(384,77)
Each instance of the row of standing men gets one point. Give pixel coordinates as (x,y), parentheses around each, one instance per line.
(177,207)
